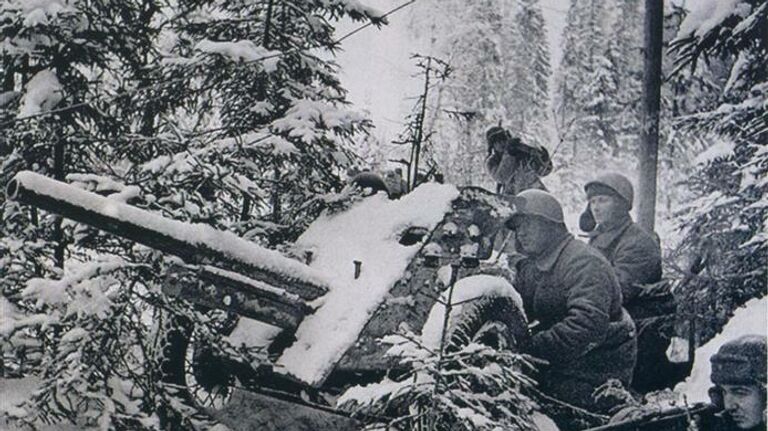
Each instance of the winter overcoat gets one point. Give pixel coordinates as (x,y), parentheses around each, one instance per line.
(584,333)
(634,254)
(636,258)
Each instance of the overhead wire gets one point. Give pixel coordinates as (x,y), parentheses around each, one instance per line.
(112,97)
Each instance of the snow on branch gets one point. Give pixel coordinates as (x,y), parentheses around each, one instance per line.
(38,12)
(90,281)
(705,15)
(357,10)
(309,119)
(43,92)
(241,50)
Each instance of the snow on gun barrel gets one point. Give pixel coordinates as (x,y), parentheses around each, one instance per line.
(194,243)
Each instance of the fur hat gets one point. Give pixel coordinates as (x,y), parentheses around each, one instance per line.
(740,362)
(370,182)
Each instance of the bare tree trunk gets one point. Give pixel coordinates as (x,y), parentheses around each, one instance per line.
(267,25)
(420,130)
(59,173)
(58,228)
(8,80)
(649,148)
(276,194)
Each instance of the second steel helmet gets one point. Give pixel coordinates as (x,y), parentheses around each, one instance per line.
(611,183)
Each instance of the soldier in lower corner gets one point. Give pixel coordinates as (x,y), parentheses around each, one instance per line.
(739,378)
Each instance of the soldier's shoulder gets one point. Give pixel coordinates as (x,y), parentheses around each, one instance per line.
(579,252)
(636,235)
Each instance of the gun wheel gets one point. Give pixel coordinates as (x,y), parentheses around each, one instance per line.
(192,368)
(208,380)
(497,322)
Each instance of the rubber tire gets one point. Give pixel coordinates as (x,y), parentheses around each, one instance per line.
(476,315)
(176,331)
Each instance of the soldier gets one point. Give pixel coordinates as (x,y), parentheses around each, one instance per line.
(369,183)
(633,252)
(515,167)
(739,376)
(395,184)
(636,258)
(570,288)
(513,164)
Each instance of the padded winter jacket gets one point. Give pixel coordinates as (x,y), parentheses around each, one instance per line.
(584,333)
(512,174)
(634,254)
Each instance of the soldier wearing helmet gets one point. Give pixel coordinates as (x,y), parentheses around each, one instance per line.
(633,252)
(513,164)
(584,333)
(739,376)
(636,258)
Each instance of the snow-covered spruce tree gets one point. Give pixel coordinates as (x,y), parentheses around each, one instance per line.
(625,52)
(468,37)
(726,223)
(87,337)
(585,84)
(680,95)
(277,139)
(160,105)
(528,61)
(586,105)
(56,57)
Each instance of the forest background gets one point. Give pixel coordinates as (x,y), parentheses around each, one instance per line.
(235,114)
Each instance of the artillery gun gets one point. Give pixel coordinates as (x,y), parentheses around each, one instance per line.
(321,340)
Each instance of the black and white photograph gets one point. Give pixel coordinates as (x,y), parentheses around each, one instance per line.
(383,215)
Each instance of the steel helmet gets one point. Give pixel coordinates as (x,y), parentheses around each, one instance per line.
(535,202)
(611,183)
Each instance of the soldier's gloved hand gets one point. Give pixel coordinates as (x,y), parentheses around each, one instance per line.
(628,413)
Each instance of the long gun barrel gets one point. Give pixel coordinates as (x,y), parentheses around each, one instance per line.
(674,419)
(194,243)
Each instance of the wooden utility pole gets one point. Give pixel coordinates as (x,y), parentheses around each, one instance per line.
(649,135)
